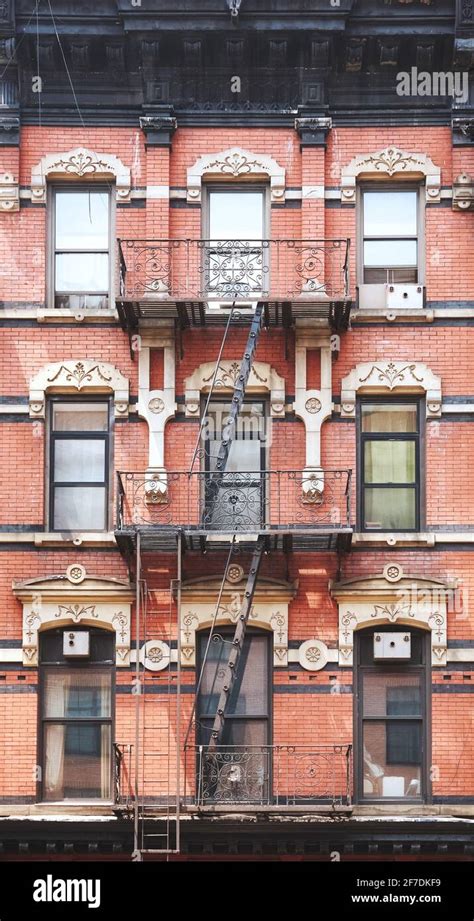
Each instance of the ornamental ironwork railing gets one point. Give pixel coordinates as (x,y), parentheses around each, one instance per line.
(235,502)
(270,775)
(123,788)
(228,270)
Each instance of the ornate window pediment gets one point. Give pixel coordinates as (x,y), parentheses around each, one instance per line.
(83,375)
(269,611)
(80,163)
(392,598)
(235,163)
(73,598)
(399,377)
(389,162)
(262,378)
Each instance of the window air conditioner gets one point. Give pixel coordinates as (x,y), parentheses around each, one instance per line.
(404,296)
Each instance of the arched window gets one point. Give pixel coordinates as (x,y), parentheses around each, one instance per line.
(392,718)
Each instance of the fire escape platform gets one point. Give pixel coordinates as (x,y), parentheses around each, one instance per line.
(192,313)
(165,540)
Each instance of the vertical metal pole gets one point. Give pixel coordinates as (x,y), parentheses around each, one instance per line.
(136,844)
(178,695)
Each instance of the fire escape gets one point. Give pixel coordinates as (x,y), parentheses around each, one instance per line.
(257,285)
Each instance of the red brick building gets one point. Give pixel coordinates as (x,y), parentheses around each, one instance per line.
(237,306)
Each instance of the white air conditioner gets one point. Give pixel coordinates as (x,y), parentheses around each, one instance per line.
(76,644)
(403,297)
(392,646)
(242,306)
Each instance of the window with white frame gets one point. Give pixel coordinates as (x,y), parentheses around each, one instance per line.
(390,235)
(81,243)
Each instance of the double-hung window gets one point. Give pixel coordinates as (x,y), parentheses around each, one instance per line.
(236,260)
(389,465)
(79,465)
(390,236)
(81,265)
(76,717)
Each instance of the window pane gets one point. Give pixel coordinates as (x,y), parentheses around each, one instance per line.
(249,693)
(235,215)
(390,509)
(391,694)
(389,461)
(392,759)
(79,508)
(386,417)
(87,272)
(388,253)
(80,417)
(390,213)
(79,460)
(82,220)
(77,693)
(77,761)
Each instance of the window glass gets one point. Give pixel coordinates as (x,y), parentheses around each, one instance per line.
(236,215)
(388,417)
(380,253)
(79,457)
(390,509)
(82,220)
(249,695)
(76,417)
(391,694)
(390,214)
(390,231)
(389,465)
(78,693)
(81,248)
(79,508)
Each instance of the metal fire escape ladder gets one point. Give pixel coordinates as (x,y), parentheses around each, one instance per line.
(231,668)
(215,478)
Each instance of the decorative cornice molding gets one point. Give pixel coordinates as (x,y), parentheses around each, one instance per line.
(79,375)
(263,378)
(80,163)
(391,161)
(235,163)
(398,376)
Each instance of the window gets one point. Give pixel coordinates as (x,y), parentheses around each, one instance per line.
(79,465)
(235,262)
(81,248)
(390,231)
(77,717)
(389,465)
(240,769)
(236,499)
(392,718)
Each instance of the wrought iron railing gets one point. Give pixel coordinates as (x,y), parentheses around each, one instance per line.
(228,270)
(270,775)
(123,792)
(235,502)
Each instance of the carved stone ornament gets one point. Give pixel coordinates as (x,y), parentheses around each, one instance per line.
(75,598)
(235,163)
(392,598)
(9,193)
(401,377)
(156,405)
(263,378)
(155,655)
(391,161)
(269,612)
(80,163)
(313,655)
(79,376)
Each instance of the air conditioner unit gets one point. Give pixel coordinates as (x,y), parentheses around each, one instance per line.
(399,296)
(392,646)
(245,306)
(76,644)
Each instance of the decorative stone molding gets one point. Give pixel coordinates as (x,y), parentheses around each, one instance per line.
(400,377)
(391,161)
(263,378)
(82,375)
(392,598)
(155,655)
(269,612)
(9,193)
(235,163)
(59,601)
(157,406)
(313,406)
(80,163)
(313,655)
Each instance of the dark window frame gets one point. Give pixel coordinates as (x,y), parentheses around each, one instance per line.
(424,670)
(70,435)
(394,186)
(63,664)
(418,437)
(78,188)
